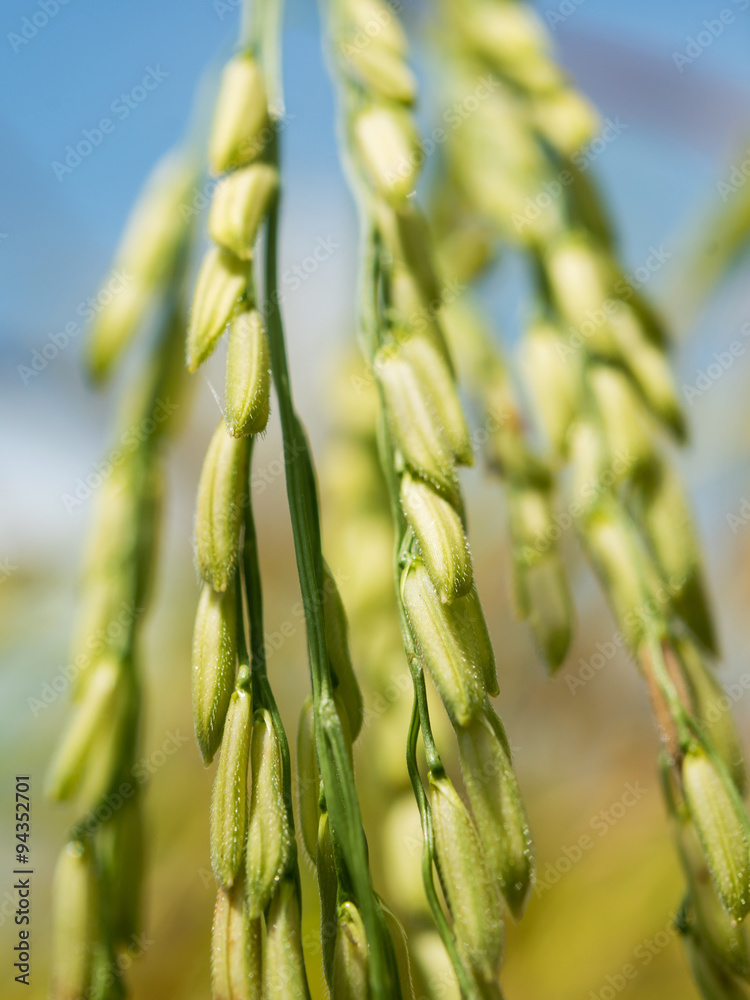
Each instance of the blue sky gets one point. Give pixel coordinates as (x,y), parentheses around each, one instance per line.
(88,62)
(68,76)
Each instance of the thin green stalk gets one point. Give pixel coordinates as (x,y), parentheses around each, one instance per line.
(261,687)
(336,769)
(337,772)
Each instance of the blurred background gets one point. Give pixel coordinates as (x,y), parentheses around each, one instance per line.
(585,747)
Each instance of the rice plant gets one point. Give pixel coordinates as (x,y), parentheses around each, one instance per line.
(603,404)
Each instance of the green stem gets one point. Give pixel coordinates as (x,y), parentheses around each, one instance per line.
(248,25)
(264,35)
(261,686)
(336,768)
